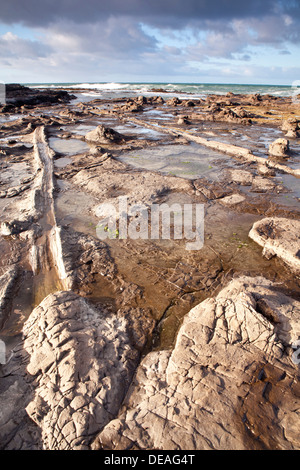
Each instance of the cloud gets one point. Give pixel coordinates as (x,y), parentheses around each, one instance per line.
(13,46)
(167,12)
(73,39)
(120,36)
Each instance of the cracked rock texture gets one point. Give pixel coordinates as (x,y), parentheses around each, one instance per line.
(141,186)
(229,383)
(70,377)
(279,237)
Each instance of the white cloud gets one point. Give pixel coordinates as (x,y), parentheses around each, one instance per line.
(13,46)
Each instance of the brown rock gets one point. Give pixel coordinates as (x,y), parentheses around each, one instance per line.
(291,127)
(279,148)
(102,135)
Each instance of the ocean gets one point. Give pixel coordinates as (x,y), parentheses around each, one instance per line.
(187,90)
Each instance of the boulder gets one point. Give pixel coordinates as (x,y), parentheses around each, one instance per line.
(279,148)
(291,127)
(174,101)
(279,237)
(156,100)
(103,135)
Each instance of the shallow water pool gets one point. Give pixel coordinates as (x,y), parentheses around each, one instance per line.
(68,146)
(187,161)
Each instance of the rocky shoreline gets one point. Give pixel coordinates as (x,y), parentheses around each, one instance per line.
(122,344)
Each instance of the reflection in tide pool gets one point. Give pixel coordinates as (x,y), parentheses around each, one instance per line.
(68,146)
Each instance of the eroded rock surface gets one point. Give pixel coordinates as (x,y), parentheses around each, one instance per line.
(226,384)
(291,127)
(279,148)
(139,186)
(69,377)
(279,237)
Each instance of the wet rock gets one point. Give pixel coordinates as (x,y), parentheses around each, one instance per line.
(242,177)
(210,190)
(225,114)
(242,113)
(208,393)
(19,95)
(279,237)
(68,113)
(279,148)
(102,135)
(232,200)
(263,185)
(190,103)
(30,127)
(8,108)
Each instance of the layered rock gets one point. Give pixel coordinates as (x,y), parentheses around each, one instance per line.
(227,383)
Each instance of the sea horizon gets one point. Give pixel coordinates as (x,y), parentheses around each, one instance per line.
(193,89)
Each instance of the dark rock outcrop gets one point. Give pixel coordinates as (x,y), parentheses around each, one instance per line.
(20,95)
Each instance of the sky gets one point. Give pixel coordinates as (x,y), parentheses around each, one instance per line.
(162,41)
